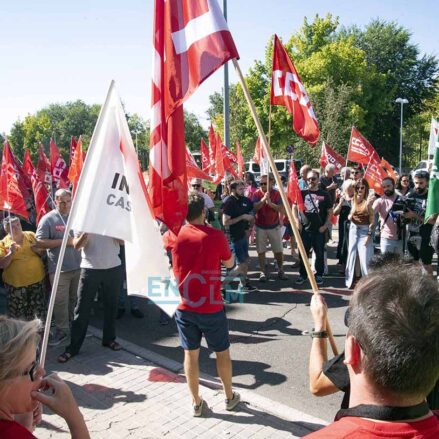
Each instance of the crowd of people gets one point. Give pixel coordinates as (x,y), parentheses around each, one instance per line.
(384,390)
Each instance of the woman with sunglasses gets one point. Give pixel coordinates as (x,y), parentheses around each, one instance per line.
(23,386)
(403,185)
(360,232)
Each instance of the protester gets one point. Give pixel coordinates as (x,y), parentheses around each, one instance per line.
(238,218)
(393,329)
(197,256)
(100,266)
(197,185)
(360,232)
(357,173)
(390,222)
(267,204)
(342,209)
(403,185)
(345,173)
(419,233)
(23,272)
(328,182)
(303,182)
(314,225)
(250,185)
(23,387)
(50,233)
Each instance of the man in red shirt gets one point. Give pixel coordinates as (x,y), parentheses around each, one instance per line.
(391,353)
(267,204)
(196,260)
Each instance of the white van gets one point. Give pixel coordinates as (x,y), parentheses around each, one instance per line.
(423,165)
(282,165)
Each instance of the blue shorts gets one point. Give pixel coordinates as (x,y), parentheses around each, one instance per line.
(240,250)
(192,326)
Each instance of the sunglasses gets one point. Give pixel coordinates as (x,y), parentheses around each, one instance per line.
(196,185)
(312,178)
(358,188)
(263,184)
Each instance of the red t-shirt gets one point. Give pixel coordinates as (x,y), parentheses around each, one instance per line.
(14,430)
(196,261)
(266,217)
(359,428)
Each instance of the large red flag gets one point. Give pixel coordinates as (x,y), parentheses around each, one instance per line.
(374,174)
(41,195)
(58,167)
(293,190)
(241,165)
(193,171)
(329,156)
(43,166)
(287,90)
(76,166)
(191,41)
(11,197)
(360,150)
(205,160)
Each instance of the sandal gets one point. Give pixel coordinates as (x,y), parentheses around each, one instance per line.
(114,346)
(64,357)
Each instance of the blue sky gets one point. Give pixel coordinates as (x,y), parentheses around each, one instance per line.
(55,51)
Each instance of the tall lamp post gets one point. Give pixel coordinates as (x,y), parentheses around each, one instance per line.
(401,101)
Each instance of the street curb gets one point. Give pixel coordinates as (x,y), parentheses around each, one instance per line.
(251,398)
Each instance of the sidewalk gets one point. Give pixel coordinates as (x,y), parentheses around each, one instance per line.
(136,393)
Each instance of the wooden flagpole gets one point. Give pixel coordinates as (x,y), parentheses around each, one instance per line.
(283,195)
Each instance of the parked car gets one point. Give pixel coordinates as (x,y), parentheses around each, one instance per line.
(423,165)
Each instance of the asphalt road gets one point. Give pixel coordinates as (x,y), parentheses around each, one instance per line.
(269,351)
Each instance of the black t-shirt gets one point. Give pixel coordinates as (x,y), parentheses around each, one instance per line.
(233,208)
(418,227)
(327,181)
(337,372)
(316,205)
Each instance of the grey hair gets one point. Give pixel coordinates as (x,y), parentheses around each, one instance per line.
(16,338)
(329,167)
(62,192)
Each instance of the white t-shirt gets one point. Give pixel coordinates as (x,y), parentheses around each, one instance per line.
(208,202)
(100,253)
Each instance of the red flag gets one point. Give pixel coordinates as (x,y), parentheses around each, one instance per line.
(287,90)
(293,190)
(193,171)
(241,165)
(329,156)
(191,41)
(219,165)
(73,144)
(11,197)
(226,157)
(230,155)
(43,166)
(374,174)
(360,150)
(212,151)
(205,161)
(41,195)
(259,152)
(76,166)
(58,167)
(388,169)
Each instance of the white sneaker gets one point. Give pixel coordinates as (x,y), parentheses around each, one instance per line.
(232,403)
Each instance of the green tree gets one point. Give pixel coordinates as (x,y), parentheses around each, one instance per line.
(193,131)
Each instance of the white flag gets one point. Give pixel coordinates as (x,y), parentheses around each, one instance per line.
(434,137)
(111,200)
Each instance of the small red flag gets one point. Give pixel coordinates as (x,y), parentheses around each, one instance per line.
(43,166)
(259,152)
(388,169)
(212,150)
(205,160)
(58,167)
(360,150)
(241,165)
(293,190)
(329,156)
(76,166)
(11,197)
(374,174)
(219,165)
(287,90)
(228,167)
(73,144)
(193,171)
(41,195)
